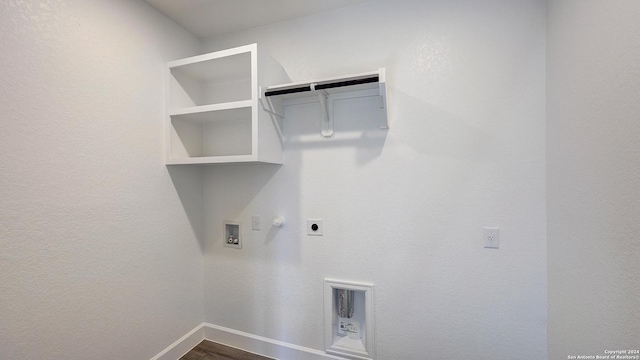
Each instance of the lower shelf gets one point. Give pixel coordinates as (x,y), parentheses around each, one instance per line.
(212,160)
(222,134)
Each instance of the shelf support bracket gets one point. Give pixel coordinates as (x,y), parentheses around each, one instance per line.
(384,124)
(270,109)
(326,106)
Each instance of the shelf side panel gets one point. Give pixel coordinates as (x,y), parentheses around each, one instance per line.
(186,139)
(270,127)
(184,91)
(223,92)
(225,138)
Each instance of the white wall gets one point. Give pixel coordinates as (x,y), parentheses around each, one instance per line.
(593,87)
(98,254)
(404,209)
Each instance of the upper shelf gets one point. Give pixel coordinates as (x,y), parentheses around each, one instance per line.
(210,79)
(371,83)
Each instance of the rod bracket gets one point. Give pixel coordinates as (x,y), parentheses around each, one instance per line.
(326,107)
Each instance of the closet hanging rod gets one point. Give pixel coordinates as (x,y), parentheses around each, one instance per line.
(322,86)
(287,91)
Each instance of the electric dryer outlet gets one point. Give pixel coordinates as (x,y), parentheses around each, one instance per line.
(315,227)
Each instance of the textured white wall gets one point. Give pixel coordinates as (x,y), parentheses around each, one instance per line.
(98,256)
(404,209)
(593,87)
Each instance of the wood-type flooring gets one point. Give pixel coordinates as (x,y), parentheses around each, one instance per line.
(208,350)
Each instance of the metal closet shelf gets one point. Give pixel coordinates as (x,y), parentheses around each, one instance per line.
(328,90)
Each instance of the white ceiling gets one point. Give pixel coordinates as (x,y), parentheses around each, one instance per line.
(207,18)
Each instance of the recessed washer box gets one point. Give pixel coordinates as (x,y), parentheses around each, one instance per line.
(356,341)
(232,237)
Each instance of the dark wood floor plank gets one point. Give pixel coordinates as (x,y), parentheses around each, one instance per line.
(208,350)
(192,355)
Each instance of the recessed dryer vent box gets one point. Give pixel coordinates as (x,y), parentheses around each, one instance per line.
(232,237)
(348,319)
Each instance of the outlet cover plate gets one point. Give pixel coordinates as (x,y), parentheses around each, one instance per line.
(491,236)
(255,222)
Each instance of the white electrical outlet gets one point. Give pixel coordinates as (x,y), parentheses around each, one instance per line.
(491,237)
(255,222)
(314,227)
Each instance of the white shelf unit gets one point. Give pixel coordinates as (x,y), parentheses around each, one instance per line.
(213,109)
(328,90)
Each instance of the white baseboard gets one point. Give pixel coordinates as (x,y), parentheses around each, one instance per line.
(183,345)
(241,340)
